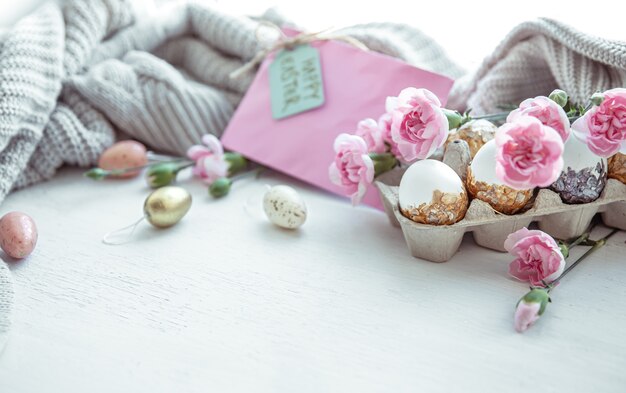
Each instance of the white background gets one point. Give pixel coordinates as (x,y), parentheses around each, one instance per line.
(468,30)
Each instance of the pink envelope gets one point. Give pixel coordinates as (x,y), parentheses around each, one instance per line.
(356,85)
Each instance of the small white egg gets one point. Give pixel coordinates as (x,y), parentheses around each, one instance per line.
(584,174)
(432,193)
(483,184)
(284,207)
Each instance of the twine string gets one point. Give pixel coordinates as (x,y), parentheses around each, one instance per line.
(288,43)
(118,232)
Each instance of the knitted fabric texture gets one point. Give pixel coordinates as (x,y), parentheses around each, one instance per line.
(72,79)
(538,57)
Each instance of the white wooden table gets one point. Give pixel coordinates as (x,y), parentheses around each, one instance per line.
(224,302)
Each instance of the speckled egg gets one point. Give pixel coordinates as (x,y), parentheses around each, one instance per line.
(124,154)
(617,167)
(432,193)
(476,133)
(483,184)
(584,174)
(18,234)
(284,207)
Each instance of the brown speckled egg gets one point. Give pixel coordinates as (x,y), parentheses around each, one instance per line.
(124,154)
(18,234)
(284,207)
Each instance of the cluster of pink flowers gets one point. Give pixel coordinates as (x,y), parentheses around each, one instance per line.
(529,151)
(413,126)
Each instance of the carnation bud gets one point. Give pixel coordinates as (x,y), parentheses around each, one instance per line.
(220,187)
(162,174)
(597,98)
(530,308)
(454,118)
(559,96)
(236,162)
(96,173)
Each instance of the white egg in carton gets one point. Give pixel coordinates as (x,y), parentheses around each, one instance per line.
(438,243)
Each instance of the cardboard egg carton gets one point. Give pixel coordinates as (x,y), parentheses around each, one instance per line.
(490,228)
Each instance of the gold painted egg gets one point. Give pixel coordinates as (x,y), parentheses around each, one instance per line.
(483,184)
(476,133)
(432,193)
(166,206)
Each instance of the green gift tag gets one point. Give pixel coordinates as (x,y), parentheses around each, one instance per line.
(296,81)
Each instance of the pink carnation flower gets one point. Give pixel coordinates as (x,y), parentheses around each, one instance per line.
(353,169)
(529,154)
(548,112)
(603,127)
(384,124)
(419,126)
(210,164)
(538,257)
(370,132)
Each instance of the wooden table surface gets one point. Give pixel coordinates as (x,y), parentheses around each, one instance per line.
(225,302)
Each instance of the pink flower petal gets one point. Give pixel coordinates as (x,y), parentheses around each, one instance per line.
(195,152)
(526,314)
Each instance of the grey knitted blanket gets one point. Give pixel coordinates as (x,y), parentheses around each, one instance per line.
(72,78)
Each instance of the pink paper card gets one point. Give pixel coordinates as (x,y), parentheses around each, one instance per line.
(356,84)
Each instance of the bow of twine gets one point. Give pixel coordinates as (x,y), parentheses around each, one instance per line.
(285,42)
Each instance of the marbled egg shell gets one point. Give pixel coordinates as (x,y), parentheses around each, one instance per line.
(124,154)
(483,184)
(18,234)
(432,193)
(284,207)
(584,174)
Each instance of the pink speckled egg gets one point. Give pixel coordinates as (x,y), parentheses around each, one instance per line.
(18,234)
(124,154)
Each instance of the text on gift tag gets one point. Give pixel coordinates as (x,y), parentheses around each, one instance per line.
(296,81)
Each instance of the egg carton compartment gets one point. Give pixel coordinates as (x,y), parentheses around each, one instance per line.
(490,228)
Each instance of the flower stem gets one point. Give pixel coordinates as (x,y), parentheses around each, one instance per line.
(582,238)
(156,157)
(256,172)
(116,172)
(598,244)
(185,166)
(492,116)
